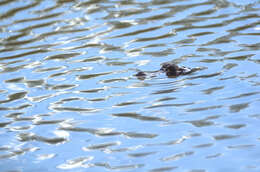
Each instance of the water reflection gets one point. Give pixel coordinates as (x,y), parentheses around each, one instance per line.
(70,100)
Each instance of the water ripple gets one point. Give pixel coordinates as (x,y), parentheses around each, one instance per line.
(70,99)
(24,137)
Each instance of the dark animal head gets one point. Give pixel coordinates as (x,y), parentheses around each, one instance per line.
(170,69)
(140,74)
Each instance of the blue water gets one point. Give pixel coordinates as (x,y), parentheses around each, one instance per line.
(70,100)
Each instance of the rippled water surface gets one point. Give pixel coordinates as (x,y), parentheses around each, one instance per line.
(70,100)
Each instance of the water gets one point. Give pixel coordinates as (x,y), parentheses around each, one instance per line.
(70,100)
